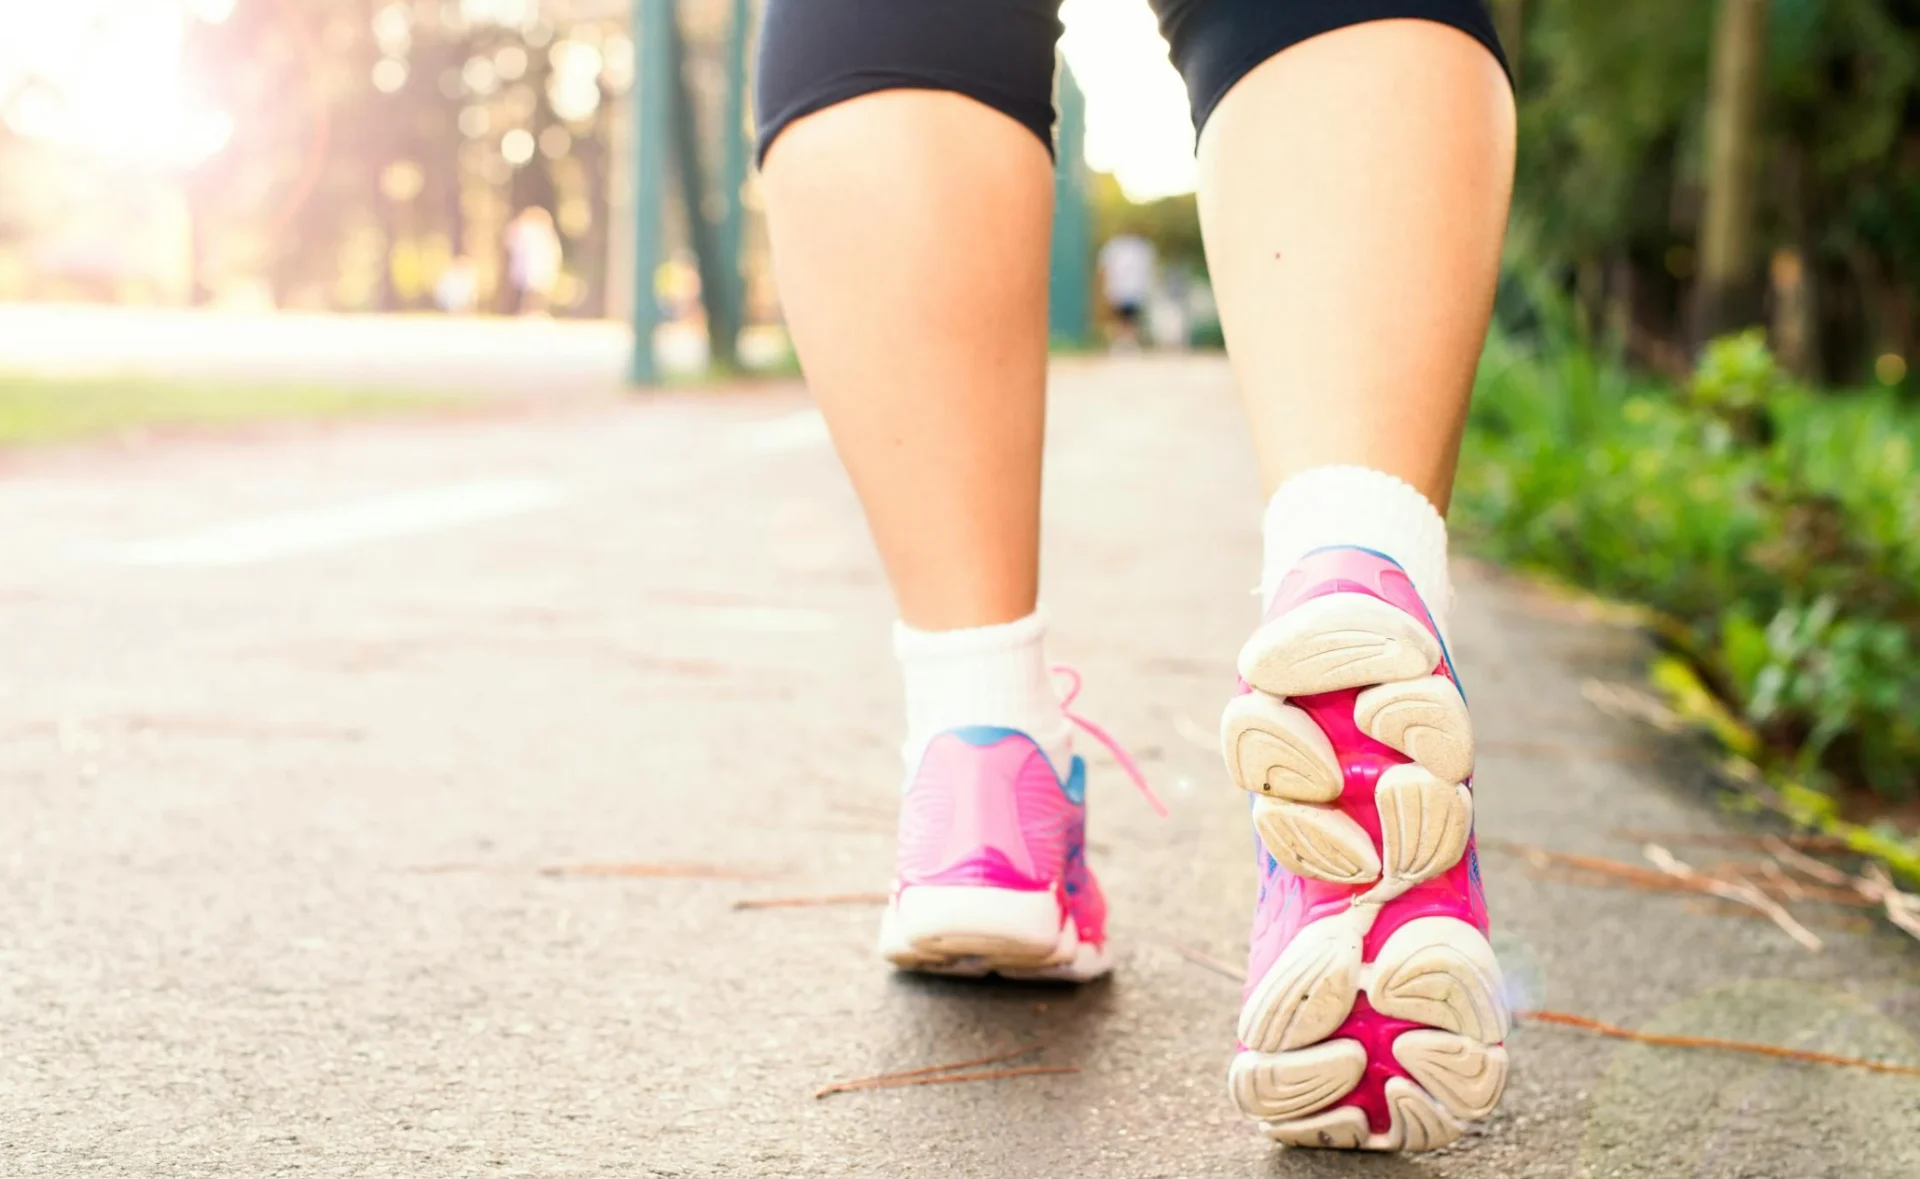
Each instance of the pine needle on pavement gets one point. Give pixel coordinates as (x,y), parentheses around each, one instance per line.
(932,1074)
(1567,1019)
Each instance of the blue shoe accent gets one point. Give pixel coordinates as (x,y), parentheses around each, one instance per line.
(1076,871)
(1358,548)
(981,736)
(1075,786)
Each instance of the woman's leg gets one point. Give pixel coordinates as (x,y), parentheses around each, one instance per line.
(1353,194)
(909,186)
(1354,185)
(909,193)
(910,234)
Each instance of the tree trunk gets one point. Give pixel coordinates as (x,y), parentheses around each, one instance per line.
(723,334)
(1727,296)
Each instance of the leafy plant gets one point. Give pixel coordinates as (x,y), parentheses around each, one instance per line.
(1777,531)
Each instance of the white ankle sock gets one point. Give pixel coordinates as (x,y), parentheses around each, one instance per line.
(1364,507)
(983,675)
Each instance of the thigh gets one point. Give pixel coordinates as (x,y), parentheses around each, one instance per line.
(1215,43)
(815,53)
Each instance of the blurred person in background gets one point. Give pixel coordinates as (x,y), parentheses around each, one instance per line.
(533,259)
(457,290)
(1128,265)
(1355,166)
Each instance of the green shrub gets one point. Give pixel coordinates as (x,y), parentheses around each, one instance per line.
(1776,528)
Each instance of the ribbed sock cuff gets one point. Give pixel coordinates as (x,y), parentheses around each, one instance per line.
(1364,507)
(983,675)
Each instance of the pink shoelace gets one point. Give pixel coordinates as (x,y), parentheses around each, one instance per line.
(1099,734)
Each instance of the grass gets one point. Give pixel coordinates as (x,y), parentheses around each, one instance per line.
(1772,530)
(37,410)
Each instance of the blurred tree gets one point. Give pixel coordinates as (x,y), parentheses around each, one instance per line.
(1616,172)
(702,206)
(375,140)
(1725,297)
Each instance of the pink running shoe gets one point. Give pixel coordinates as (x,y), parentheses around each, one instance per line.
(992,871)
(1373,1013)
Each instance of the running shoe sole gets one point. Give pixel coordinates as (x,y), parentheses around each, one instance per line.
(1432,987)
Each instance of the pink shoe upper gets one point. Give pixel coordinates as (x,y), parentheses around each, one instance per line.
(985,809)
(1289,903)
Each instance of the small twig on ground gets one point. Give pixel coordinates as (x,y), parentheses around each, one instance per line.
(838,898)
(1627,701)
(1586,879)
(1790,855)
(1746,894)
(1872,885)
(1785,884)
(1619,1033)
(920,1075)
(1802,842)
(1032,1070)
(1598,865)
(1202,958)
(1602,871)
(1734,870)
(1903,908)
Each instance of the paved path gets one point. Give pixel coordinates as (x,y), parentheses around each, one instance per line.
(468,354)
(290,725)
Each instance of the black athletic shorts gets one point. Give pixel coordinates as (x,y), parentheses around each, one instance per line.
(815,53)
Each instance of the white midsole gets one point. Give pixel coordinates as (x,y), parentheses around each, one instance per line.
(967,930)
(936,913)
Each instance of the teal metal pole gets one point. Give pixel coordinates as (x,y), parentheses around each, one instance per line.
(733,167)
(1070,276)
(652,100)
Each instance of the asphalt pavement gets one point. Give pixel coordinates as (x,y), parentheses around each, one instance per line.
(376,800)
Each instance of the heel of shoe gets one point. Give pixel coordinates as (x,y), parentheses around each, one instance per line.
(964,929)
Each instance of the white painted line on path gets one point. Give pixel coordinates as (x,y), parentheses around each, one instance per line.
(286,534)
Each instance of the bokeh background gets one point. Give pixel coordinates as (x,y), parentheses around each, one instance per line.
(1685,168)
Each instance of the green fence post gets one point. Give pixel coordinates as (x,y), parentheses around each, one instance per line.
(652,99)
(1069,281)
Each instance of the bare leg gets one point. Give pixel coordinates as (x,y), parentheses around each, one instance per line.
(910,235)
(1353,193)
